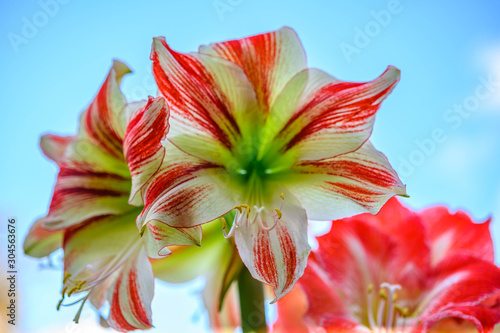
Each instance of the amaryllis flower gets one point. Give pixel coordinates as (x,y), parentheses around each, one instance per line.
(398,271)
(255,131)
(97,199)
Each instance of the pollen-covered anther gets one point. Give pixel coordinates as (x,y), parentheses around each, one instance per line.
(66,276)
(278,211)
(403,312)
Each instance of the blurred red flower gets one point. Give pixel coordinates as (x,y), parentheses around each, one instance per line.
(397,271)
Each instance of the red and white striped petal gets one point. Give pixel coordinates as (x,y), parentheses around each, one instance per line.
(142,143)
(54,146)
(107,257)
(276,257)
(90,183)
(269,61)
(451,234)
(101,121)
(158,236)
(186,191)
(318,116)
(97,248)
(345,185)
(186,263)
(131,294)
(40,242)
(208,98)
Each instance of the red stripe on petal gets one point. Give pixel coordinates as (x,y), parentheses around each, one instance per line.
(269,60)
(175,175)
(143,142)
(339,110)
(256,64)
(82,170)
(101,119)
(265,262)
(289,252)
(193,93)
(116,316)
(136,303)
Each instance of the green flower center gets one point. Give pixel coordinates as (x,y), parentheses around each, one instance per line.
(257,167)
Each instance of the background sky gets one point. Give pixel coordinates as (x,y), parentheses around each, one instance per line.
(448,53)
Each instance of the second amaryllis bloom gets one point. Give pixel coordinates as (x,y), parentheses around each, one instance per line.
(96,201)
(397,272)
(256,131)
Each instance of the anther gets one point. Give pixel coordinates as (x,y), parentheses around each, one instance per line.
(371,320)
(401,311)
(247,208)
(279,213)
(72,290)
(143,230)
(282,196)
(66,276)
(59,304)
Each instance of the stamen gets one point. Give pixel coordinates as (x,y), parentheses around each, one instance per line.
(66,276)
(247,208)
(77,317)
(224,225)
(381,308)
(403,312)
(143,230)
(72,290)
(279,213)
(371,320)
(60,302)
(261,223)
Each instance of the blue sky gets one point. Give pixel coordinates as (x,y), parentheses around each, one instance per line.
(440,128)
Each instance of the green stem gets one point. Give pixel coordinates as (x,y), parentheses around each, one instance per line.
(253,315)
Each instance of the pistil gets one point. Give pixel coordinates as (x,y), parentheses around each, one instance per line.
(386,310)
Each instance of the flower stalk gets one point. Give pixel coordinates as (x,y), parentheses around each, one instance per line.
(251,293)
